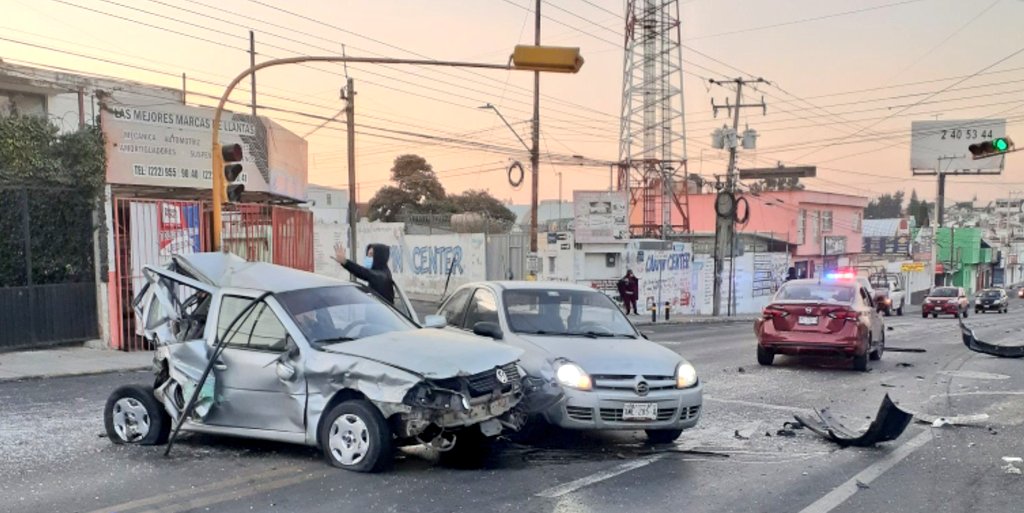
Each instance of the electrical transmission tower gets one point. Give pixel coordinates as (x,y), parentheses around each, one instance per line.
(652,134)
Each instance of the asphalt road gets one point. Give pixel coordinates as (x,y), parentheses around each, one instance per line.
(54,457)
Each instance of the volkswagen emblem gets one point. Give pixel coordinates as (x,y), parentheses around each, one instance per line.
(808,309)
(502,377)
(642,388)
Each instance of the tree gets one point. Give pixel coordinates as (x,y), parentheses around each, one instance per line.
(777,184)
(417,190)
(481,201)
(886,206)
(416,178)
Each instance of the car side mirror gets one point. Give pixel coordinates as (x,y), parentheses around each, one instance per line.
(488,329)
(434,321)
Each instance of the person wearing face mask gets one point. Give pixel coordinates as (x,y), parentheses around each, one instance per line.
(374,271)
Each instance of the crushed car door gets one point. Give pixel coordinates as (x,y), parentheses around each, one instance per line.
(261,385)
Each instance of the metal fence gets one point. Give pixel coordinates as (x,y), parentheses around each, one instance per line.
(47,272)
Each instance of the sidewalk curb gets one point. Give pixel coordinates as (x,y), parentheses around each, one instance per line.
(698,320)
(71,374)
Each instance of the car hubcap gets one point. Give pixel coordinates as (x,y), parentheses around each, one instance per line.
(349,439)
(131,420)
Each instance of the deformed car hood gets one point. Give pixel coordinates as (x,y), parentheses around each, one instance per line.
(430,352)
(611,355)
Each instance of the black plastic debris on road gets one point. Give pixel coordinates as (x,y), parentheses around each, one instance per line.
(904,364)
(972,343)
(889,424)
(905,350)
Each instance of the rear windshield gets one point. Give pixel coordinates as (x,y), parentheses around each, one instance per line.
(944,292)
(817,292)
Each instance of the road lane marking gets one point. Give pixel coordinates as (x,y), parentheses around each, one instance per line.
(563,489)
(846,490)
(212,487)
(209,500)
(788,409)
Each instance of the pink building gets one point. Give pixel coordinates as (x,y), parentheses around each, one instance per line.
(825,228)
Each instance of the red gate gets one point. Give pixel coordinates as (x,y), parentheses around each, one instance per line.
(149,231)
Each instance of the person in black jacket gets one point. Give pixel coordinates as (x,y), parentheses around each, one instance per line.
(374,271)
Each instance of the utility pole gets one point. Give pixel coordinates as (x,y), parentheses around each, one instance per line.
(349,95)
(252,64)
(535,149)
(725,229)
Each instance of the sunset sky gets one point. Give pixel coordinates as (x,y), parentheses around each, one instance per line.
(845,74)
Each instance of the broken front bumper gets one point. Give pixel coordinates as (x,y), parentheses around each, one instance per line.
(604,409)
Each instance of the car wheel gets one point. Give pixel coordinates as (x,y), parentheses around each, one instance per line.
(471,449)
(899,311)
(860,362)
(133,415)
(965,314)
(765,356)
(355,436)
(924,315)
(877,353)
(935,316)
(663,436)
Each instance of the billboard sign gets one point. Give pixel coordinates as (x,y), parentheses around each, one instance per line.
(169,146)
(601,216)
(941,145)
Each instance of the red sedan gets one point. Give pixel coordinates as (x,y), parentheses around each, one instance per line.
(832,317)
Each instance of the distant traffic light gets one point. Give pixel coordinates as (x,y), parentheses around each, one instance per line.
(232,158)
(991,148)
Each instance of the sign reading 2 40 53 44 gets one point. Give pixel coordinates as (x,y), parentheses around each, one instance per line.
(942,145)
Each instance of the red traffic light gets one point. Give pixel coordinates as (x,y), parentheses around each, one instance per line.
(231,152)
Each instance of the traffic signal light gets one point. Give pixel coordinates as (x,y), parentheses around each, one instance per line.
(558,59)
(986,149)
(232,158)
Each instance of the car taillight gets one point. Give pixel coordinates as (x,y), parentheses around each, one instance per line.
(770,313)
(844,315)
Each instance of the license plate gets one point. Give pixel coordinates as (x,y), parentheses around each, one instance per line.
(808,321)
(640,411)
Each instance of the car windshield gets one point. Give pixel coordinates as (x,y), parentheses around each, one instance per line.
(842,293)
(990,294)
(944,292)
(329,315)
(565,312)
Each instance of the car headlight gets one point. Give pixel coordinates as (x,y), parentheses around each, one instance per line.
(686,375)
(573,376)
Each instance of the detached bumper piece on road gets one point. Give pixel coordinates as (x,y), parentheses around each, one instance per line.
(979,346)
(889,424)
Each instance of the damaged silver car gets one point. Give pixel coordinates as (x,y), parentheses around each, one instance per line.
(258,350)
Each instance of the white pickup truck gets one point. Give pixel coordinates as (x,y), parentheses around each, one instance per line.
(890,292)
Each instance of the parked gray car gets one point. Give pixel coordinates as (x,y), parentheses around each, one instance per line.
(595,369)
(302,358)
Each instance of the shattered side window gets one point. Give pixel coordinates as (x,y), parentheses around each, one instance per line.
(259,328)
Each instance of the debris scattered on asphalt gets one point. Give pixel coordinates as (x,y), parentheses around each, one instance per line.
(905,350)
(786,432)
(768,434)
(737,434)
(904,364)
(1010,468)
(1013,459)
(921,378)
(958,420)
(887,385)
(741,370)
(992,430)
(890,328)
(862,485)
(978,346)
(792,425)
(889,423)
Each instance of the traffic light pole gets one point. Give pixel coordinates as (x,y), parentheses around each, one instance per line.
(218,163)
(535,149)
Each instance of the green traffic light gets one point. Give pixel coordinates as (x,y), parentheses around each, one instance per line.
(1000,144)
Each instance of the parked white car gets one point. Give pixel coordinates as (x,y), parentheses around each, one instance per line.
(588,366)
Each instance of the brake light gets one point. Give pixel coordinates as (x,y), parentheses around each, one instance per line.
(844,315)
(770,313)
(840,276)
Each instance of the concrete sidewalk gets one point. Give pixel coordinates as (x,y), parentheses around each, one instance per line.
(70,361)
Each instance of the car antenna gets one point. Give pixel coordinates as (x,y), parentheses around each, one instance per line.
(448,280)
